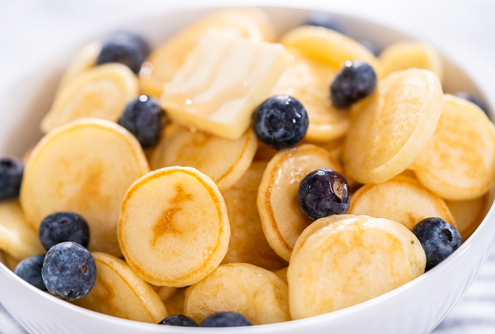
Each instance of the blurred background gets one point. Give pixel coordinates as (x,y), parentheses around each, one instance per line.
(33,31)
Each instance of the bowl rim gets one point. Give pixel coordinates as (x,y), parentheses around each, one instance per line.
(477,234)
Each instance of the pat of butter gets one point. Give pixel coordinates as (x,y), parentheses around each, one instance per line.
(222,82)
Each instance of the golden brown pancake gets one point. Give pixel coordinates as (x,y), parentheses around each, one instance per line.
(254,292)
(401,199)
(119,292)
(84,167)
(223,160)
(247,241)
(308,81)
(341,261)
(17,237)
(281,218)
(174,229)
(99,92)
(394,126)
(459,161)
(408,54)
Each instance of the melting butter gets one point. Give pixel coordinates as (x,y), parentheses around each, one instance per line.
(222,81)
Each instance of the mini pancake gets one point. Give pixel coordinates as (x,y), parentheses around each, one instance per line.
(17,236)
(404,55)
(308,80)
(342,261)
(329,47)
(281,218)
(401,199)
(167,58)
(390,132)
(119,292)
(247,241)
(468,214)
(334,147)
(175,304)
(282,274)
(165,292)
(84,167)
(459,161)
(223,160)
(264,152)
(174,229)
(256,293)
(8,260)
(83,61)
(100,92)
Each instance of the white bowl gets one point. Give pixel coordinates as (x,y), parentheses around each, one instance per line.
(417,307)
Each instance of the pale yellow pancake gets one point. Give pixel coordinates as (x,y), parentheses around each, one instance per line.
(468,214)
(409,54)
(308,81)
(17,236)
(167,58)
(282,274)
(8,260)
(174,229)
(254,292)
(459,161)
(264,152)
(281,218)
(329,47)
(83,61)
(84,167)
(401,199)
(223,160)
(100,92)
(119,292)
(175,304)
(390,132)
(247,241)
(334,147)
(343,261)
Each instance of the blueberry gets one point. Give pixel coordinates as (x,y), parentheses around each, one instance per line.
(355,81)
(226,319)
(126,48)
(30,270)
(179,320)
(69,271)
(63,226)
(438,238)
(11,172)
(371,47)
(144,118)
(322,193)
(280,122)
(470,98)
(325,21)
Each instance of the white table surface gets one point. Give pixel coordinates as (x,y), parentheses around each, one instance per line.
(33,30)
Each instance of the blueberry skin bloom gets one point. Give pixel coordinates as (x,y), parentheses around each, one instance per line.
(30,270)
(63,226)
(438,238)
(69,271)
(226,319)
(322,193)
(179,320)
(126,48)
(355,81)
(280,122)
(11,172)
(143,117)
